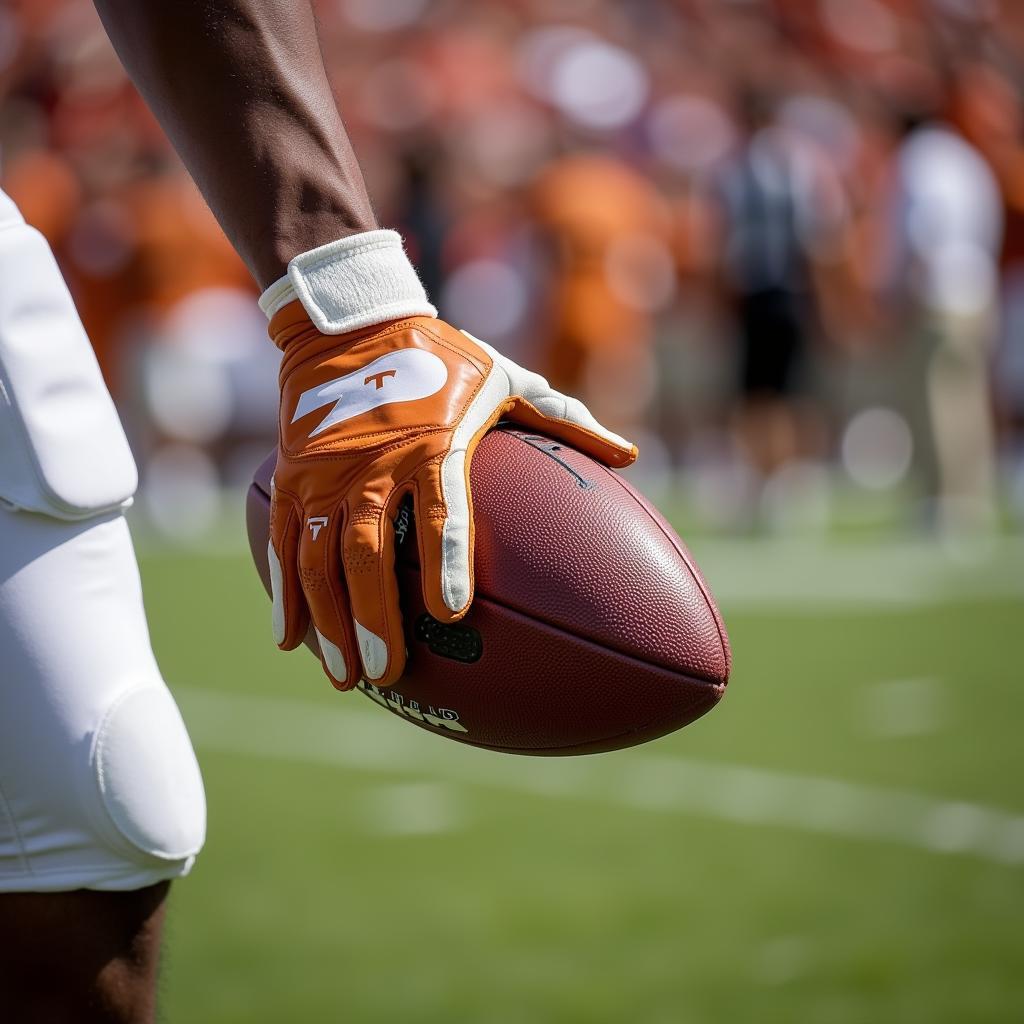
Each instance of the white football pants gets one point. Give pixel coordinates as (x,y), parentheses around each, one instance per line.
(99,786)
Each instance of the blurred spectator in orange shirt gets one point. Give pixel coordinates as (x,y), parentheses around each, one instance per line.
(607,269)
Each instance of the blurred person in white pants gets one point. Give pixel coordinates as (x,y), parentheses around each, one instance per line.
(940,265)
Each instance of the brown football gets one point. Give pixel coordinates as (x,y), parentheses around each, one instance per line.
(591,627)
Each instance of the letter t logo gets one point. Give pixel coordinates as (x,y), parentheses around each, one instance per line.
(378,378)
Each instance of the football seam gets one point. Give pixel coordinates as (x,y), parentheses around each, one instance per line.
(558,627)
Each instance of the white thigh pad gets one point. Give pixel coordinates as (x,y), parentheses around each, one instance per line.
(149,782)
(62,448)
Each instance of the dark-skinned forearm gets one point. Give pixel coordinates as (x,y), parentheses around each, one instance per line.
(240,88)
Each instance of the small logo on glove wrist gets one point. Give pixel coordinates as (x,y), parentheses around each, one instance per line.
(316,524)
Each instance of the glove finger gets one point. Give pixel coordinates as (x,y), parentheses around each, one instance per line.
(444,505)
(444,529)
(368,547)
(323,583)
(289,615)
(568,419)
(539,406)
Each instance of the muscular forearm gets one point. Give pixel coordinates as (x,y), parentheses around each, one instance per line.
(240,88)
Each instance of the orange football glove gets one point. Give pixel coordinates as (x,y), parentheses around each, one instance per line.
(373,412)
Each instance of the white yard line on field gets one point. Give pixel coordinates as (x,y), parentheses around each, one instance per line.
(818,577)
(307,733)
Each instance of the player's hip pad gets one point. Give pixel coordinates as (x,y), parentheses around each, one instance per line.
(62,449)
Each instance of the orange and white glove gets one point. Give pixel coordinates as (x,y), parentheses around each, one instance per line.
(380,399)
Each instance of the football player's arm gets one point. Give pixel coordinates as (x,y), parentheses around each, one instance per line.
(379,399)
(240,88)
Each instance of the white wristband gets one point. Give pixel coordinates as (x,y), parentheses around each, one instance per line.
(355,282)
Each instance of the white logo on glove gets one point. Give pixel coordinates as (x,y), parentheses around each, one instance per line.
(316,524)
(402,376)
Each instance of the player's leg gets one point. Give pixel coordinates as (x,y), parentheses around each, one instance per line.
(99,787)
(81,956)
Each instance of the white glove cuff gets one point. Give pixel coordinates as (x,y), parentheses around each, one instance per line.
(355,282)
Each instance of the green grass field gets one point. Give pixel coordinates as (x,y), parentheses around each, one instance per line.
(841,841)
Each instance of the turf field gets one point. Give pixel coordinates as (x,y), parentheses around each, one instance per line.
(841,841)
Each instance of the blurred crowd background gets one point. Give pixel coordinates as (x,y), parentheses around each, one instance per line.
(779,242)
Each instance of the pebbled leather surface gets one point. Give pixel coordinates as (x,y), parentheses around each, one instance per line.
(569,543)
(596,629)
